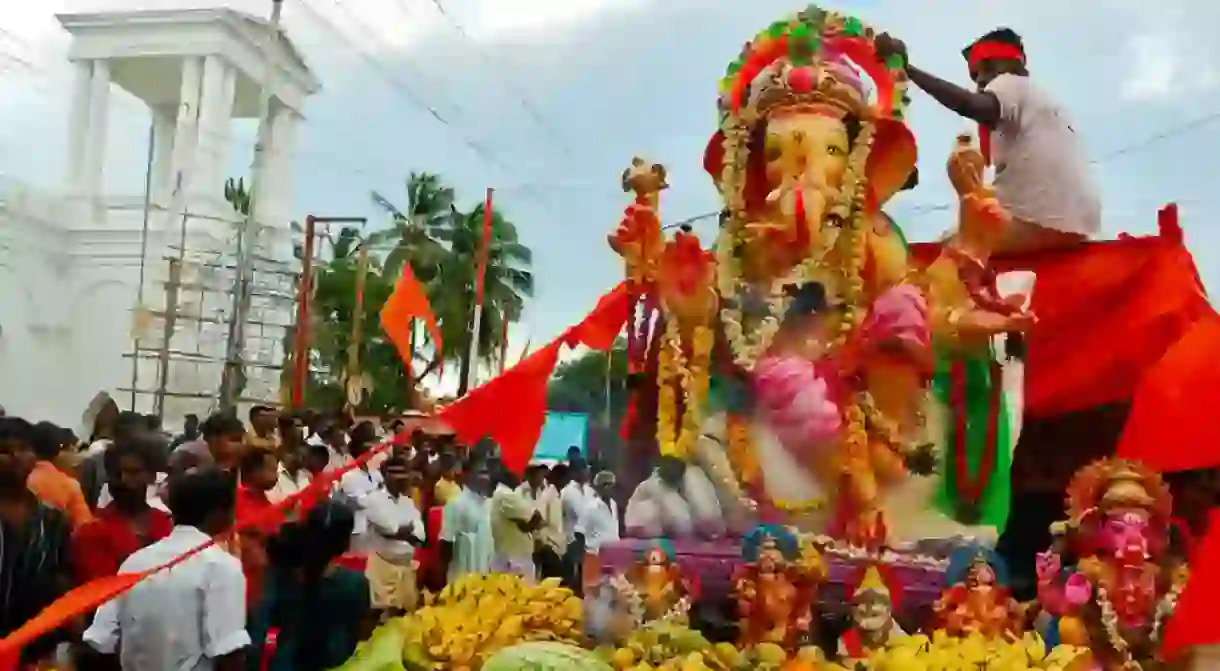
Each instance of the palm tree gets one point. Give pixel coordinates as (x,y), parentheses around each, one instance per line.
(414,231)
(414,234)
(507,283)
(334,302)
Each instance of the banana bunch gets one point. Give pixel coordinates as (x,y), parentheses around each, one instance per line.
(942,652)
(667,646)
(478,615)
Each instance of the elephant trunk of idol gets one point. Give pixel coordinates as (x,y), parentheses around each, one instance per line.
(803,201)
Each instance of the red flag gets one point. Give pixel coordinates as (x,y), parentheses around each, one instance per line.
(408,302)
(484,251)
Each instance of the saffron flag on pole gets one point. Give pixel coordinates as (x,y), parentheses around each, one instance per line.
(407,303)
(484,252)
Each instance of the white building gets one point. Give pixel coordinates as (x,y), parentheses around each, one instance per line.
(84,271)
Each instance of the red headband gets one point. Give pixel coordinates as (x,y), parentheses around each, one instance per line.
(993,51)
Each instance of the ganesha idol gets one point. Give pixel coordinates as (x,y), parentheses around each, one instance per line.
(1123,587)
(795,359)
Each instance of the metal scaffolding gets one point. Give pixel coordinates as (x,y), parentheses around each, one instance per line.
(180,344)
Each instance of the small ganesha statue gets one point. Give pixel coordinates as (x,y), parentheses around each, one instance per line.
(664,592)
(875,594)
(1124,586)
(776,590)
(978,600)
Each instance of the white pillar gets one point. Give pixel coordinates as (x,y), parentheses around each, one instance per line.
(186,136)
(99,123)
(279,174)
(164,119)
(215,113)
(78,126)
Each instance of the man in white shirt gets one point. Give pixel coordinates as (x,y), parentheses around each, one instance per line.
(357,488)
(513,522)
(1042,175)
(467,545)
(193,616)
(574,496)
(395,530)
(334,438)
(597,527)
(550,544)
(293,477)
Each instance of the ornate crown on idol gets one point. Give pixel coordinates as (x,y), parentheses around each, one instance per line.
(808,61)
(1118,483)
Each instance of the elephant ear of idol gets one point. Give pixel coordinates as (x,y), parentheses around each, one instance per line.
(813,59)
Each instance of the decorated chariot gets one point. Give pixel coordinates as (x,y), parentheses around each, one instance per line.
(831,437)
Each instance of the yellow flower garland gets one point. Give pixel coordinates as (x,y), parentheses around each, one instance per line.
(676,436)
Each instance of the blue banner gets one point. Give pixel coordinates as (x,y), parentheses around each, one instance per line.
(561,431)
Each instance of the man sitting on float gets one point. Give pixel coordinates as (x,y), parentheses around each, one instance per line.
(1042,176)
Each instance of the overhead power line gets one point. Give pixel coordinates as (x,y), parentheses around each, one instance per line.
(526,104)
(409,93)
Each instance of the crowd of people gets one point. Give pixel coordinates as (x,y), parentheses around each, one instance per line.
(301,587)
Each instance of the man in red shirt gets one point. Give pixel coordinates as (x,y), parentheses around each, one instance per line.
(257,517)
(128,523)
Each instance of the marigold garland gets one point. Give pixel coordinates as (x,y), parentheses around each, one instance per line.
(677,436)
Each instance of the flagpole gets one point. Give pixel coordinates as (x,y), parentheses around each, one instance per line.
(472,353)
(353,377)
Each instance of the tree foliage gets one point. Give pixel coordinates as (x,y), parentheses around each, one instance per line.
(581,385)
(440,244)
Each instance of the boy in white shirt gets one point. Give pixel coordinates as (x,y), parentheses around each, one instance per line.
(396,530)
(597,527)
(1042,177)
(194,615)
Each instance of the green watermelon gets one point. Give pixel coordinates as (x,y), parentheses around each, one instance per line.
(382,652)
(545,656)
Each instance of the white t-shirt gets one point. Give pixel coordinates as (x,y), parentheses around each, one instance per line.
(288,484)
(466,523)
(599,524)
(182,618)
(1042,175)
(357,486)
(386,515)
(575,497)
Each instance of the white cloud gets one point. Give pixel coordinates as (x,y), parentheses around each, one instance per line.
(1155,64)
(519,20)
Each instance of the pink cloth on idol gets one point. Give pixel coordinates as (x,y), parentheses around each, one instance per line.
(797,400)
(899,316)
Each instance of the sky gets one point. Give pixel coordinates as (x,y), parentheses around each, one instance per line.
(559,95)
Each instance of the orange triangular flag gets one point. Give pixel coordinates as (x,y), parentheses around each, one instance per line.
(408,302)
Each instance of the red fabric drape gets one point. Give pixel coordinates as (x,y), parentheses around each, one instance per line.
(408,303)
(1171,426)
(1107,313)
(1194,621)
(511,408)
